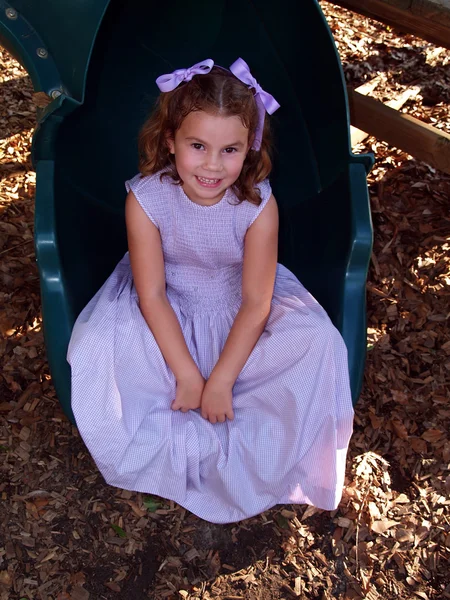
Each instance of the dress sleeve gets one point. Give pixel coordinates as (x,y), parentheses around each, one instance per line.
(143,190)
(265,192)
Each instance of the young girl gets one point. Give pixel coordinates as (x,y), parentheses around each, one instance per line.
(202,370)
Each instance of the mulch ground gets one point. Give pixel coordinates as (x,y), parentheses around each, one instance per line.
(64,534)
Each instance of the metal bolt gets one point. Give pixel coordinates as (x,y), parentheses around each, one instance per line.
(55,94)
(42,53)
(11,13)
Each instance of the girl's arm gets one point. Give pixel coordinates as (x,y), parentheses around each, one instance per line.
(147,265)
(258,277)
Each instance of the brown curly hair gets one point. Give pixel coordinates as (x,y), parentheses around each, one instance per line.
(218,92)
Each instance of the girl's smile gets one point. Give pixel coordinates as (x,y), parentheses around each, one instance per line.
(208,182)
(209,151)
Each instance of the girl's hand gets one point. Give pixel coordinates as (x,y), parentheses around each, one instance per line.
(217,402)
(189,392)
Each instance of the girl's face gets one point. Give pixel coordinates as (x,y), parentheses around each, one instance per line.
(209,154)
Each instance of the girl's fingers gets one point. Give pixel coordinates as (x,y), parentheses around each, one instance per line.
(230,414)
(219,418)
(177,406)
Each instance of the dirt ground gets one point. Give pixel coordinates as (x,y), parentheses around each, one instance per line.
(65,534)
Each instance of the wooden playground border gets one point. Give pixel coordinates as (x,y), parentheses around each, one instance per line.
(427,19)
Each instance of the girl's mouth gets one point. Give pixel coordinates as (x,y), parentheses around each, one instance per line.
(210,183)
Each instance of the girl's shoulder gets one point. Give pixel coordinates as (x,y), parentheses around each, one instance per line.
(146,183)
(249,211)
(151,192)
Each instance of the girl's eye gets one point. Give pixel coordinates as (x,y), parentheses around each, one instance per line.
(230,150)
(197,146)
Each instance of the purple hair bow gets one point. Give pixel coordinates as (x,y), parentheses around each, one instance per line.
(240,69)
(265,102)
(169,82)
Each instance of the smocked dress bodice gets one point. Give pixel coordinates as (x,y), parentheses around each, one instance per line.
(203,246)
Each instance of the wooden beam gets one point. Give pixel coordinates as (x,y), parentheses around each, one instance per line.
(357,135)
(403,131)
(427,19)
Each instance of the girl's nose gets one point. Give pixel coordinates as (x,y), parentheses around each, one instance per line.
(213,161)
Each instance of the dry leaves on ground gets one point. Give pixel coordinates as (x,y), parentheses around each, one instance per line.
(65,535)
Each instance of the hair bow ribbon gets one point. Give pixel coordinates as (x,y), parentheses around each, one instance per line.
(170,81)
(265,101)
(240,69)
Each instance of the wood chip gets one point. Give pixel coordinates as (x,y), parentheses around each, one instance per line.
(79,593)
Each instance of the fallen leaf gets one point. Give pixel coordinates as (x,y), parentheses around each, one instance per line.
(79,593)
(383,525)
(374,511)
(309,512)
(400,429)
(120,532)
(343,522)
(151,503)
(5,578)
(375,421)
(418,445)
(78,578)
(135,508)
(432,435)
(214,564)
(41,99)
(404,535)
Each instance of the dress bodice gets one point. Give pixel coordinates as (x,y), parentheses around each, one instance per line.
(203,246)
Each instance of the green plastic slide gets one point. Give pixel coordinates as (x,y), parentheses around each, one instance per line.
(98,61)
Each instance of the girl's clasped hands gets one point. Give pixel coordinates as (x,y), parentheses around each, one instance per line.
(213,397)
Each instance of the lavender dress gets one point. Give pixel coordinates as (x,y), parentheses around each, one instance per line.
(293,411)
